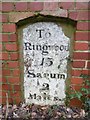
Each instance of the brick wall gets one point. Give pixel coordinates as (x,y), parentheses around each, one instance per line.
(12,13)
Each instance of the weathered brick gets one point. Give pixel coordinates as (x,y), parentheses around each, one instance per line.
(14,56)
(14,80)
(13,64)
(83,36)
(0,47)
(79,72)
(75,103)
(2,101)
(81,46)
(9,27)
(0,37)
(0,17)
(17,94)
(9,100)
(60,13)
(76,72)
(17,16)
(83,15)
(3,48)
(87,72)
(76,80)
(77,87)
(18,99)
(6,72)
(78,64)
(12,37)
(4,64)
(88,65)
(11,47)
(17,88)
(73,15)
(83,26)
(16,72)
(81,55)
(0,6)
(5,37)
(0,73)
(6,87)
(0,86)
(21,6)
(79,15)
(0,93)
(0,56)
(5,56)
(35,6)
(4,80)
(0,77)
(7,6)
(4,93)
(82,5)
(3,18)
(50,6)
(66,5)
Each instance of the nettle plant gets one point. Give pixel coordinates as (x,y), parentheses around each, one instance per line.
(83,95)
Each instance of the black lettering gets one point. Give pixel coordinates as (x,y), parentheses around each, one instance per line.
(27,46)
(48,97)
(38,97)
(38,82)
(39,75)
(46,75)
(53,75)
(38,47)
(66,48)
(32,75)
(45,86)
(47,34)
(33,47)
(61,76)
(50,47)
(30,96)
(49,61)
(56,48)
(56,98)
(44,96)
(40,32)
(45,47)
(42,62)
(34,96)
(61,47)
(44,52)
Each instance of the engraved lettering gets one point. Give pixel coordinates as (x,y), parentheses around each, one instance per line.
(40,32)
(30,74)
(46,49)
(27,46)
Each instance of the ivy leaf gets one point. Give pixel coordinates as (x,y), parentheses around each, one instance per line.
(86,91)
(87,82)
(84,76)
(79,95)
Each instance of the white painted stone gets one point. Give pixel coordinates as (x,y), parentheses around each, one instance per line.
(46,49)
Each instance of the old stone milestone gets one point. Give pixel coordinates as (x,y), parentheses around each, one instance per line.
(46,50)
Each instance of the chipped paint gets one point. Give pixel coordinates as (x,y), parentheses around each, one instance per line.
(46,50)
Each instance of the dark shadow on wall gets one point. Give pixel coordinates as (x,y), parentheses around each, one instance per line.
(46,18)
